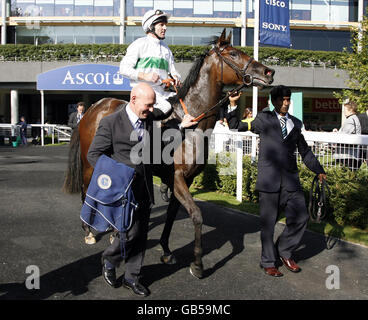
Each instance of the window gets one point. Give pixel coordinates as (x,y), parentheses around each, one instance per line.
(321,10)
(300,10)
(106,34)
(183,8)
(117,8)
(164,5)
(179,35)
(237,8)
(25,8)
(104,8)
(339,10)
(83,8)
(64,7)
(46,7)
(223,8)
(203,8)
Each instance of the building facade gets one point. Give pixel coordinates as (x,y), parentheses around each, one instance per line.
(314,24)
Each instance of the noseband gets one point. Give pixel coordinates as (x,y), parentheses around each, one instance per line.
(247,78)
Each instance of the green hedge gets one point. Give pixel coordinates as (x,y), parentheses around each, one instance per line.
(348,203)
(114,52)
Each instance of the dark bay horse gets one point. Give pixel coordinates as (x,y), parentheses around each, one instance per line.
(202,89)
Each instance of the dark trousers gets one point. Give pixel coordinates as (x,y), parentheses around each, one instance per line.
(135,245)
(271,203)
(23,139)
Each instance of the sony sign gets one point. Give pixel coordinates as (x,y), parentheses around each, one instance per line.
(274,22)
(96,77)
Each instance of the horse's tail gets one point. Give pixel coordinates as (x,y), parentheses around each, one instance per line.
(74,177)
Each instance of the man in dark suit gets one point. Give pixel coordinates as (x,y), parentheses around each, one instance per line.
(76,116)
(363,119)
(278,180)
(118,136)
(23,130)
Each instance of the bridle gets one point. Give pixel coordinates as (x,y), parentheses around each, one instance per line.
(242,73)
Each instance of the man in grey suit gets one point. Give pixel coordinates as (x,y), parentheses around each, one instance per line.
(76,116)
(278,180)
(118,136)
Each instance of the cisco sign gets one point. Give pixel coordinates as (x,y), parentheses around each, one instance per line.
(96,77)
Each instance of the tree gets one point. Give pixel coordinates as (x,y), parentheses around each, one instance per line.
(356,64)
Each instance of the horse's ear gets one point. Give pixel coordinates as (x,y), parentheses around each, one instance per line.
(228,39)
(222,37)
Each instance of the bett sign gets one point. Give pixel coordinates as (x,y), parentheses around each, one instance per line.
(329,105)
(84,77)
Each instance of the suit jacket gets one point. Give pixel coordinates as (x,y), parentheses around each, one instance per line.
(277,165)
(73,121)
(113,138)
(363,119)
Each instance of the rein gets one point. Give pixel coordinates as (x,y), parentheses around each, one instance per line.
(318,200)
(228,94)
(247,81)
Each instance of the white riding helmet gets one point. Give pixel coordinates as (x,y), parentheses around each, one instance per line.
(151,17)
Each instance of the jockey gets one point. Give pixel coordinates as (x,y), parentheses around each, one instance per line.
(149,59)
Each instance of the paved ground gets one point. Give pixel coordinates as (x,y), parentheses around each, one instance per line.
(40,226)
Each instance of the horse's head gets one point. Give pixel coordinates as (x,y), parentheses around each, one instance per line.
(235,67)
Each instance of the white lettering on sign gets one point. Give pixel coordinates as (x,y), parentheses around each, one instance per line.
(276,3)
(326,105)
(273,26)
(92,78)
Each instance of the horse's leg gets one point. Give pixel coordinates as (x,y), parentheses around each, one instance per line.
(89,237)
(172,210)
(181,192)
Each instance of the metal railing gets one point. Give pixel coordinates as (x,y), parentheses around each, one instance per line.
(57,132)
(331,149)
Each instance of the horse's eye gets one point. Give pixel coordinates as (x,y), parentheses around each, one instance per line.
(233,53)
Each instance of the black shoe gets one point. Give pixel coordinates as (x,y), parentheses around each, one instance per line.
(109,276)
(136,287)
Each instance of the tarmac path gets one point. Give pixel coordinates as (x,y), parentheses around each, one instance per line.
(40,226)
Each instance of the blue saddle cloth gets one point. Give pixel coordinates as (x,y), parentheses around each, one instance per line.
(110,200)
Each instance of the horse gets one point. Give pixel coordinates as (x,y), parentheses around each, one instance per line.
(201,92)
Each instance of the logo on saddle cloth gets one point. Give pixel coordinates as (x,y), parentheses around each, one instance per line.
(104,181)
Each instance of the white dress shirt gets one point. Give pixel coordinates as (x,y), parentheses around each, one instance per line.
(289,122)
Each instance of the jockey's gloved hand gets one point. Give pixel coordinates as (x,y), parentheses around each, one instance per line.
(187,122)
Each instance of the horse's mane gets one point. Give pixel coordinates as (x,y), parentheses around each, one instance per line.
(194,72)
(189,80)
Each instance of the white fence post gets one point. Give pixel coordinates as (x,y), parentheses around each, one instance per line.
(239,168)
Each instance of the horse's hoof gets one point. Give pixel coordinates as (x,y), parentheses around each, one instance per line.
(196,271)
(111,238)
(165,197)
(90,239)
(168,259)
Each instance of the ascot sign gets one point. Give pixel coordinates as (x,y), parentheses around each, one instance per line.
(96,77)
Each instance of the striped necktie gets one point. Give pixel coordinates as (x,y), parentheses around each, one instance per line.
(283,127)
(138,127)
